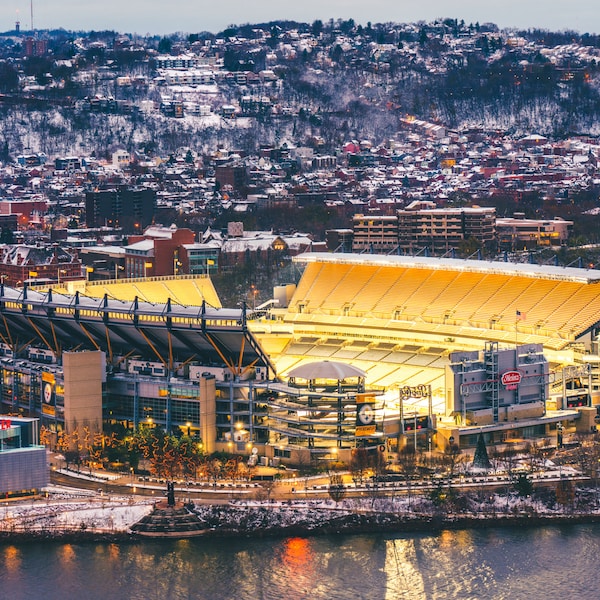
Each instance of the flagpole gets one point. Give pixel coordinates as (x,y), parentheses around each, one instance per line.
(519,316)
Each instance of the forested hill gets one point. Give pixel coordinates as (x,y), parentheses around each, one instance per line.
(96,91)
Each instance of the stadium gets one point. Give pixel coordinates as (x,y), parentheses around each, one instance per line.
(412,323)
(367,351)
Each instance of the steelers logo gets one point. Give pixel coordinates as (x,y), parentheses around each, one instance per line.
(47,393)
(366,414)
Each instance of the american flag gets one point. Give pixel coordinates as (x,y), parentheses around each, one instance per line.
(521,316)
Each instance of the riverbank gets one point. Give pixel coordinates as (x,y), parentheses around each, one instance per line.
(292,520)
(341,525)
(113,522)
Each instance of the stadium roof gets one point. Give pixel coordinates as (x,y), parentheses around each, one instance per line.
(455,264)
(165,331)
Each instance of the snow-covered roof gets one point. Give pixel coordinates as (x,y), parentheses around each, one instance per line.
(141,246)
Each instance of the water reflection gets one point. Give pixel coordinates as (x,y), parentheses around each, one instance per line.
(67,556)
(499,564)
(11,559)
(403,578)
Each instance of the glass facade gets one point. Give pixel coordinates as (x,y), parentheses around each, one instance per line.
(202,261)
(151,401)
(30,389)
(23,462)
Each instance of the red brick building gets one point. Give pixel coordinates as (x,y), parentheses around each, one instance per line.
(157,252)
(21,262)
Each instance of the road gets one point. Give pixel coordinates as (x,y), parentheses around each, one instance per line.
(222,493)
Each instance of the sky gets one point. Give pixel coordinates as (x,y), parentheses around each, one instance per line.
(160,17)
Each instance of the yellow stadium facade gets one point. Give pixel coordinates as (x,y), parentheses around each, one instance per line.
(443,350)
(403,320)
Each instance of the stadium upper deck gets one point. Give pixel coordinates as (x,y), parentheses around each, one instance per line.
(399,317)
(453,298)
(190,290)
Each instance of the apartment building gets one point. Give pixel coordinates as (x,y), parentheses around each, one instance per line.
(375,233)
(421,225)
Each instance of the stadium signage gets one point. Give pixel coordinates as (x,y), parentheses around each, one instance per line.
(365,415)
(511,379)
(5,424)
(418,391)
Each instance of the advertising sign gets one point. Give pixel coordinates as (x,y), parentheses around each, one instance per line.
(511,379)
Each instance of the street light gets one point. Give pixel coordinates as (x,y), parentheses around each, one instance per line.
(176,265)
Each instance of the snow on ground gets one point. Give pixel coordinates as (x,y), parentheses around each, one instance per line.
(68,509)
(64,510)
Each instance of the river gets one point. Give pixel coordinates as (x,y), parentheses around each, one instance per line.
(517,563)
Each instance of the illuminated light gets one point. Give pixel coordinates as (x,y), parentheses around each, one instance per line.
(297,552)
(67,555)
(12,559)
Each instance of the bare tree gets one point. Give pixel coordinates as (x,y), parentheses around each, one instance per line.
(359,464)
(452,458)
(337,490)
(407,460)
(268,486)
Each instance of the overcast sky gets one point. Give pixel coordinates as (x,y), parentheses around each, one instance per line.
(168,16)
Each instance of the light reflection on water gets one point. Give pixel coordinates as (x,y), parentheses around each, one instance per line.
(549,562)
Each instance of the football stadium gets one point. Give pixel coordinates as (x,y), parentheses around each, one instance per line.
(371,351)
(442,337)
